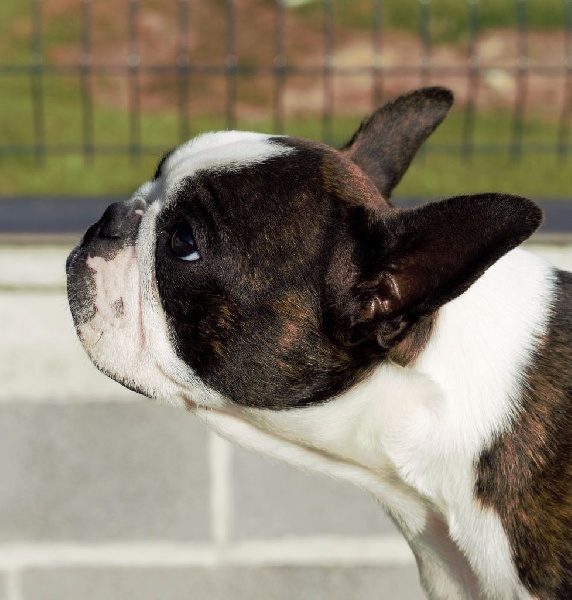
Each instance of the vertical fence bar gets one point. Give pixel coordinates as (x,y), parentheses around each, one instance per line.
(425,66)
(231,63)
(133,64)
(183,70)
(328,82)
(473,80)
(85,81)
(566,115)
(424,21)
(279,69)
(377,43)
(521,86)
(36,82)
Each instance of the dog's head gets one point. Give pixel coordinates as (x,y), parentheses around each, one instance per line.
(272,272)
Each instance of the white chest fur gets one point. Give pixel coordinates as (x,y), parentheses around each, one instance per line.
(412,435)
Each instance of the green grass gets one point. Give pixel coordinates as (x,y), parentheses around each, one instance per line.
(438,176)
(533,175)
(432,175)
(15,24)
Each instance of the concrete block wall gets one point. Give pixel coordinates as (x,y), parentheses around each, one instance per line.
(107,496)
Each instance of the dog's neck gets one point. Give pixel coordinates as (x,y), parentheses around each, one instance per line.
(412,435)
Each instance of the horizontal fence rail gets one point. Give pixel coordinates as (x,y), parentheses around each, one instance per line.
(189,74)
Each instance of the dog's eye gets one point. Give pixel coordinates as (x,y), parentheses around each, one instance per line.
(183,245)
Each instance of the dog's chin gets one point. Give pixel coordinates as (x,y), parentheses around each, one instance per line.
(131,365)
(129,383)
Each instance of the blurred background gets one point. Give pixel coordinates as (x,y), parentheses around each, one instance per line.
(106,496)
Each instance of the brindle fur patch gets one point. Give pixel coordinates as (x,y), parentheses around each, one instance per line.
(295,316)
(347,181)
(526,474)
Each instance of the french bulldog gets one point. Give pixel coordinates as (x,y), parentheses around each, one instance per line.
(267,284)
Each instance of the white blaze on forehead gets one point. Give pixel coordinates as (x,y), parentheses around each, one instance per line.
(223,150)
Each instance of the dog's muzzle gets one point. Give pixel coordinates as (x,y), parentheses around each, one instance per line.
(116,231)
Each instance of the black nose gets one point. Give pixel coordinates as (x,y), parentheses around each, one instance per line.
(121,220)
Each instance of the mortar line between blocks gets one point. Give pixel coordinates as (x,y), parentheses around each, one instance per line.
(13,584)
(220,457)
(19,399)
(389,550)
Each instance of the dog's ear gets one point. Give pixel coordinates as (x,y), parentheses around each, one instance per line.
(411,262)
(386,142)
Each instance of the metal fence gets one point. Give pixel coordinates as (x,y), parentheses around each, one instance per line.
(481,81)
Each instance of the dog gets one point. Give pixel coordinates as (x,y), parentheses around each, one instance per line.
(267,284)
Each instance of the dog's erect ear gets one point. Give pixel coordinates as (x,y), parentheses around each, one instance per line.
(411,262)
(386,142)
